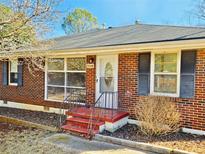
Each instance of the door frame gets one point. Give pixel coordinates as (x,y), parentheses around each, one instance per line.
(97,83)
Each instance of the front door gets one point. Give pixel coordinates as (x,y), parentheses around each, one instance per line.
(107,79)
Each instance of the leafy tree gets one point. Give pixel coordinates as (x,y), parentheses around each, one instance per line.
(79,20)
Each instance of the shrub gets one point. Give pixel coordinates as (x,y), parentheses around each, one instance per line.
(158,115)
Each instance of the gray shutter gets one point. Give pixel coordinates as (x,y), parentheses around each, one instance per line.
(144,74)
(187,84)
(5,73)
(20,72)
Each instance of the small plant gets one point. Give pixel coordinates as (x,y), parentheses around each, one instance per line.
(157,115)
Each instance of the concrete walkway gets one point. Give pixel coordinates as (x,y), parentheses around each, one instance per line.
(82,146)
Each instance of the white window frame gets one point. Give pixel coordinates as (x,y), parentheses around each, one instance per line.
(65,71)
(9,73)
(152,66)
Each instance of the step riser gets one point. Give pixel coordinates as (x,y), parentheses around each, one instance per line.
(79,133)
(87,116)
(79,119)
(82,125)
(77,130)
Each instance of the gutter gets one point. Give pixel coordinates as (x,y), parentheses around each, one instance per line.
(117,49)
(128,48)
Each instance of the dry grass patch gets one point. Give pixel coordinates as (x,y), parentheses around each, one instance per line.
(20,140)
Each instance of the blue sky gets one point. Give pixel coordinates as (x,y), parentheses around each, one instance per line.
(125,12)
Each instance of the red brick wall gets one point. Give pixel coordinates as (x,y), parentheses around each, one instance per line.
(32,91)
(192,110)
(90,81)
(127,81)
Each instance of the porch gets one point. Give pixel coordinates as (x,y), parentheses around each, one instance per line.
(90,119)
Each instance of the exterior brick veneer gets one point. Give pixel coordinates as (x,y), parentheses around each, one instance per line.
(192,110)
(90,81)
(127,81)
(32,91)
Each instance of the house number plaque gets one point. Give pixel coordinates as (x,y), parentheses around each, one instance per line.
(89,65)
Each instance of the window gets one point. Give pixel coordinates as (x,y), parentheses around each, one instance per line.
(65,75)
(13,72)
(165,74)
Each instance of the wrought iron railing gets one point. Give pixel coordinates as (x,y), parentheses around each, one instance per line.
(74,98)
(106,102)
(105,105)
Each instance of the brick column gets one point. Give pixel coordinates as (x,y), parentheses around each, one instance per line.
(90,81)
(128,81)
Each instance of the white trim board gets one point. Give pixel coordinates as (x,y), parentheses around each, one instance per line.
(30,107)
(193,131)
(113,59)
(185,130)
(142,47)
(65,71)
(152,73)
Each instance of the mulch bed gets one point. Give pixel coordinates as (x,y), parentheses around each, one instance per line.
(178,140)
(44,118)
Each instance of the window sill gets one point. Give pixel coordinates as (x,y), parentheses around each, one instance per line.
(12,84)
(79,103)
(165,95)
(51,100)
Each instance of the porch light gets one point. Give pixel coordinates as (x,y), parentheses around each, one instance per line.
(91,60)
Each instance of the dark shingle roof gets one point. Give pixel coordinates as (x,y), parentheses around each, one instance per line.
(133,34)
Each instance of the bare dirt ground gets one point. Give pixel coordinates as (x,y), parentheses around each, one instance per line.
(21,140)
(178,140)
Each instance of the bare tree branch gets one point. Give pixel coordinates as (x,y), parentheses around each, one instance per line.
(22,25)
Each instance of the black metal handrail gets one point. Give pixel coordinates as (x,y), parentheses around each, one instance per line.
(95,113)
(107,100)
(71,101)
(98,100)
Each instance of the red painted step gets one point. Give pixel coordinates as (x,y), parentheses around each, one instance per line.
(84,122)
(100,114)
(80,119)
(76,129)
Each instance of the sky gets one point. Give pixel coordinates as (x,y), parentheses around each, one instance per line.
(115,13)
(125,12)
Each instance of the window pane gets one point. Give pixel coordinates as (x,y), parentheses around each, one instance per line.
(56,64)
(56,78)
(14,66)
(106,84)
(166,62)
(76,79)
(78,95)
(13,77)
(76,64)
(165,83)
(55,93)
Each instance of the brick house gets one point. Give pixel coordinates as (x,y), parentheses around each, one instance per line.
(131,62)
